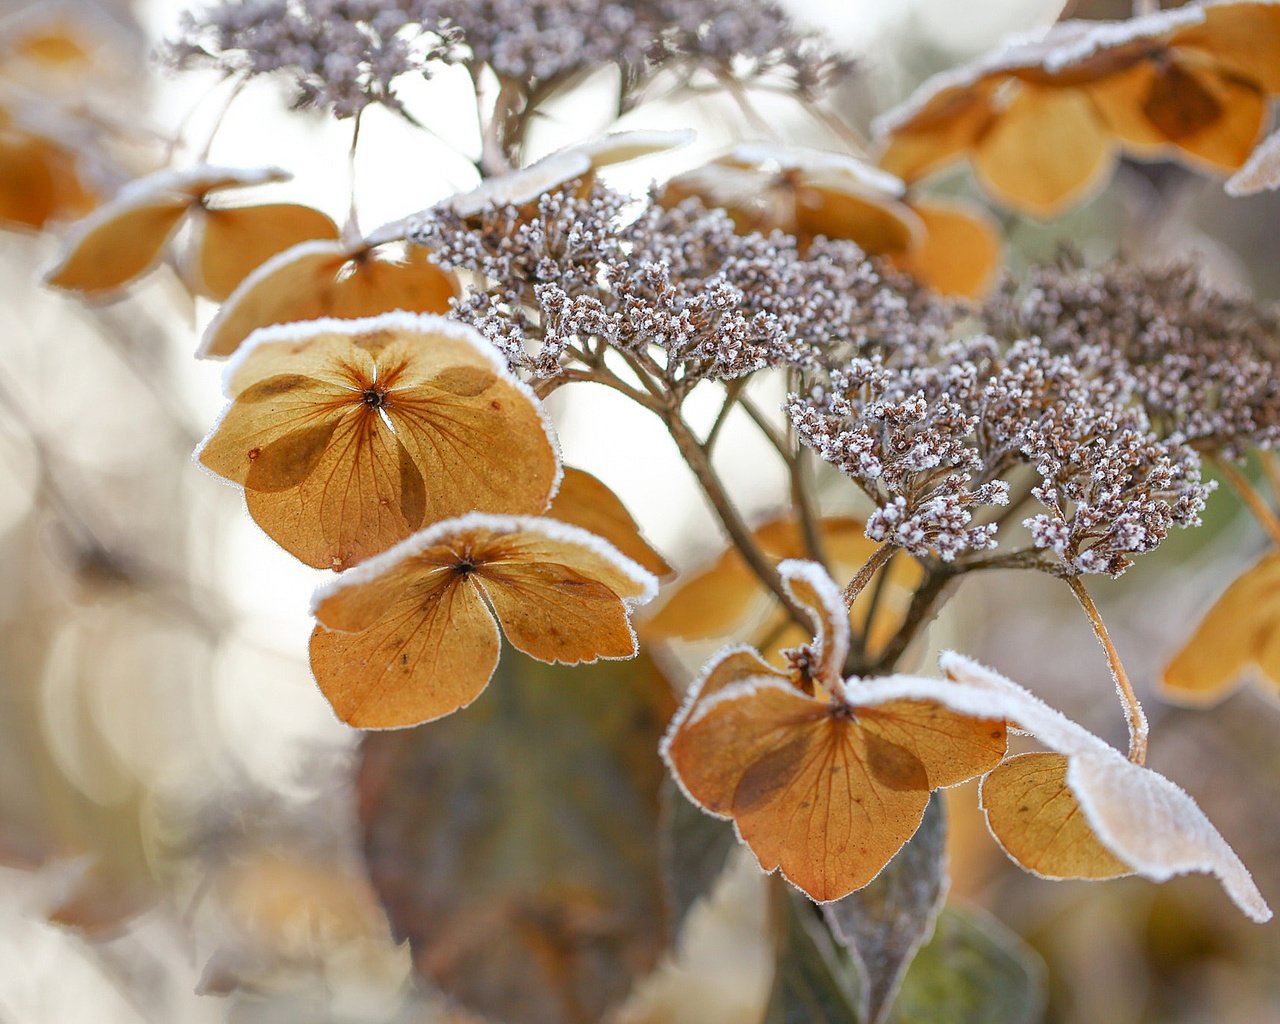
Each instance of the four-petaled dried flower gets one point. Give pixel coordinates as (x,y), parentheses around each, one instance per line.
(349,435)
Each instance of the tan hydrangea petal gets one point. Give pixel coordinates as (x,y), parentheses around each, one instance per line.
(585,501)
(1224,143)
(1141,817)
(1037,819)
(409,635)
(811,793)
(1045,151)
(350,435)
(431,653)
(122,240)
(959,252)
(1243,36)
(1234,634)
(229,243)
(117,244)
(328,279)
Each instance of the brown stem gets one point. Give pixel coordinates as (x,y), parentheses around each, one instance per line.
(732,392)
(1133,708)
(571,376)
(879,557)
(1271,467)
(696,458)
(922,609)
(1250,496)
(801,501)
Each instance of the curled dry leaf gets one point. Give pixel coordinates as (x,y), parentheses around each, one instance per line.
(952,246)
(1040,121)
(1239,633)
(718,601)
(824,779)
(410,636)
(349,435)
(585,501)
(1084,810)
(1262,172)
(124,239)
(329,279)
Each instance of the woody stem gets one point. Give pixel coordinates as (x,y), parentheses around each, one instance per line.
(695,456)
(878,558)
(1133,708)
(1250,496)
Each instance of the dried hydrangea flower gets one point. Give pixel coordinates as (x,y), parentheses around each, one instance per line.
(341,55)
(345,54)
(904,435)
(582,266)
(1202,363)
(932,436)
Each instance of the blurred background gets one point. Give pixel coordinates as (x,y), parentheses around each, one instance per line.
(178,828)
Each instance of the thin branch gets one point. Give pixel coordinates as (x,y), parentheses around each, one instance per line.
(740,535)
(801,501)
(1133,708)
(733,390)
(924,606)
(879,557)
(1250,496)
(1271,467)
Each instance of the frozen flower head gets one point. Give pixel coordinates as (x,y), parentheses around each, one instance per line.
(1201,363)
(581,268)
(932,437)
(344,54)
(340,55)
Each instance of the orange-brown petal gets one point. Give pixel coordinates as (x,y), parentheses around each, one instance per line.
(323,279)
(960,251)
(1038,820)
(554,614)
(952,747)
(229,243)
(811,793)
(117,244)
(942,132)
(585,501)
(1236,632)
(342,491)
(1045,151)
(878,224)
(432,653)
(1225,142)
(1243,36)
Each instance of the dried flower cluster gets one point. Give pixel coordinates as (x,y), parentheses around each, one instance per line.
(344,54)
(340,54)
(576,271)
(1201,362)
(929,441)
